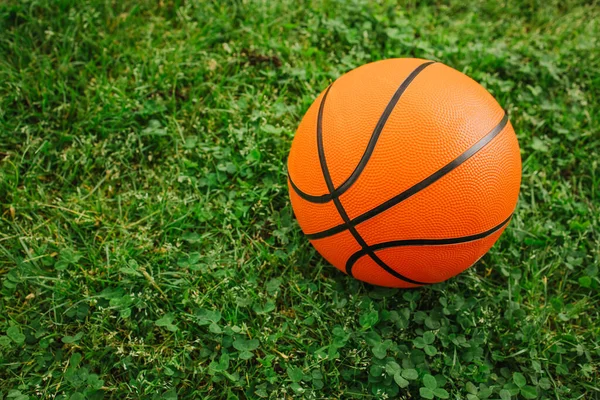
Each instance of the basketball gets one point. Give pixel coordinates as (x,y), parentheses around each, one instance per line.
(404,172)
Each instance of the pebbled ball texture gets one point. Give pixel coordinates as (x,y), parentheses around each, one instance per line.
(416,177)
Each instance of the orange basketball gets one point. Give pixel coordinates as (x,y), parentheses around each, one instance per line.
(404,172)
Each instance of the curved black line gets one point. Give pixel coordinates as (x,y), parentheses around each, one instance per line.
(422,242)
(417,187)
(324,198)
(337,202)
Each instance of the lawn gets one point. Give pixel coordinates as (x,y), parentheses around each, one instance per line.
(148,248)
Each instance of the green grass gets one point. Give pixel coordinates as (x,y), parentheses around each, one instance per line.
(147,244)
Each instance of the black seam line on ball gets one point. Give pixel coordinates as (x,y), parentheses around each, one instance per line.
(338,203)
(417,187)
(325,198)
(423,242)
